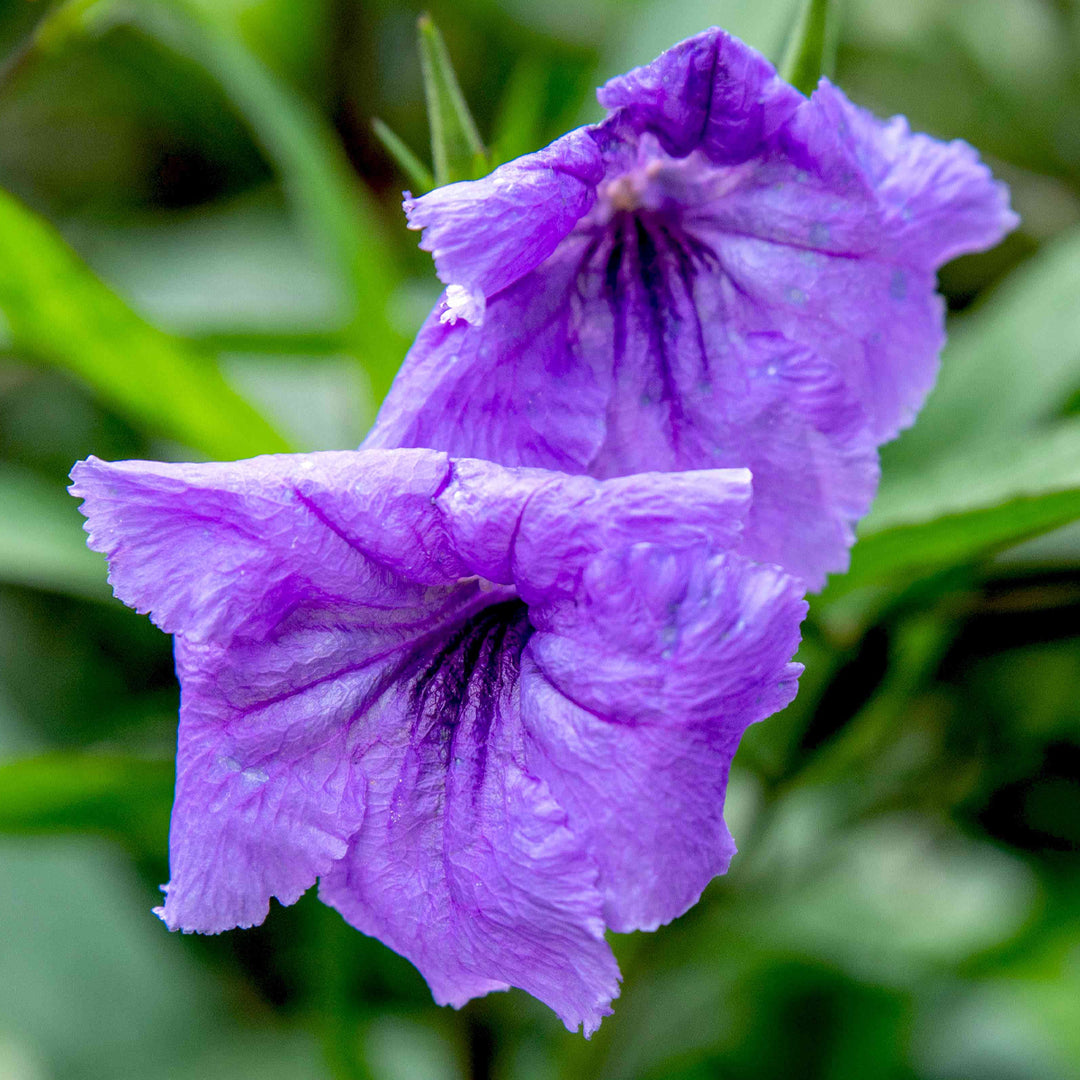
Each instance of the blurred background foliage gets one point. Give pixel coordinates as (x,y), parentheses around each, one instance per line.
(202,255)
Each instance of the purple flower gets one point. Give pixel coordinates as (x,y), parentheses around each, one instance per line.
(721,274)
(492,709)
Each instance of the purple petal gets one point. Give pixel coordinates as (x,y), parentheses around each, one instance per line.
(511,391)
(485,234)
(214,550)
(566,524)
(465,863)
(908,204)
(267,796)
(753,287)
(710,93)
(392,662)
(938,200)
(636,741)
(706,373)
(291,583)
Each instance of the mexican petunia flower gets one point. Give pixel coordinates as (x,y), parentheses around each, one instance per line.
(722,273)
(491,709)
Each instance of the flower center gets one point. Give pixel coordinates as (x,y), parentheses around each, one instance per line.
(640,188)
(463,677)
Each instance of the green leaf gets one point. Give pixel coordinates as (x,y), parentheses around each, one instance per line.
(983,468)
(337,213)
(60,314)
(456,148)
(332,205)
(966,507)
(1010,364)
(519,126)
(811,49)
(42,543)
(418,173)
(124,797)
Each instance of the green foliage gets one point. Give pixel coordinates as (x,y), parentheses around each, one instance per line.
(59,313)
(904,902)
(123,797)
(972,502)
(417,172)
(330,203)
(811,50)
(1010,365)
(41,539)
(456,148)
(519,126)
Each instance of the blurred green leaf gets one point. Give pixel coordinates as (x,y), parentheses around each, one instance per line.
(969,504)
(123,797)
(41,540)
(59,313)
(1010,364)
(519,125)
(984,467)
(333,207)
(811,50)
(456,149)
(416,171)
(232,275)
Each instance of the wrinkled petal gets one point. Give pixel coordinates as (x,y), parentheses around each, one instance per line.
(275,574)
(371,649)
(637,742)
(465,863)
(910,204)
(710,93)
(705,375)
(328,649)
(753,286)
(513,391)
(485,234)
(938,199)
(562,522)
(267,796)
(214,550)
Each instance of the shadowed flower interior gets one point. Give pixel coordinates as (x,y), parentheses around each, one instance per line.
(492,709)
(723,273)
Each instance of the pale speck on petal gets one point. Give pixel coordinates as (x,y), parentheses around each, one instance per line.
(463,303)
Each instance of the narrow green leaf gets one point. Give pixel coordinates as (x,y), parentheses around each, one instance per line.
(417,172)
(335,210)
(920,549)
(59,313)
(456,149)
(811,49)
(66,21)
(42,543)
(967,507)
(272,342)
(123,797)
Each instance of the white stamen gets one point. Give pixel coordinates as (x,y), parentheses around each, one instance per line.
(463,303)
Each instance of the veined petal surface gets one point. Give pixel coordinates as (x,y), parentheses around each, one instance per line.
(750,281)
(409,675)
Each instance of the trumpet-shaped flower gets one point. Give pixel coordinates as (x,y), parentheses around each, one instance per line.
(722,273)
(491,709)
